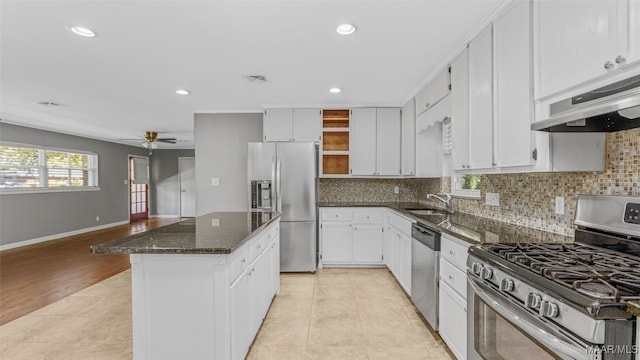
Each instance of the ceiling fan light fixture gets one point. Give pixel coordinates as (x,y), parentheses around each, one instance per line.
(345,29)
(150,145)
(82,31)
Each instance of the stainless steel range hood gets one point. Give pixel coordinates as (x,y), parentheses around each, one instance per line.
(610,108)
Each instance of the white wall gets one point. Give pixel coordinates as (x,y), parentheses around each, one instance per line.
(221,152)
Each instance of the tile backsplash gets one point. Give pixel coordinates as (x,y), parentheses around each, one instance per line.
(525,199)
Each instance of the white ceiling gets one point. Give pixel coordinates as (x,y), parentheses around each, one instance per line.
(123,81)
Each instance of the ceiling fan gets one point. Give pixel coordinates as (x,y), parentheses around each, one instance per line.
(151,140)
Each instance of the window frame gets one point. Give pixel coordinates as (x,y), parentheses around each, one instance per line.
(93,171)
(456,181)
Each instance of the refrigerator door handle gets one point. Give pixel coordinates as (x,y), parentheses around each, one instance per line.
(278,187)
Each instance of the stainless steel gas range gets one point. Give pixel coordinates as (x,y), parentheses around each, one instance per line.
(560,301)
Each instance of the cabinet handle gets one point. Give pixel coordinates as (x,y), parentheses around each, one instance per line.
(495,164)
(243,260)
(294,139)
(427,105)
(450,277)
(451,252)
(620,59)
(608,65)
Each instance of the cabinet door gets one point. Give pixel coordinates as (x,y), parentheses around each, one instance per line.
(405,263)
(453,320)
(575,40)
(367,244)
(434,91)
(634,30)
(481,100)
(277,125)
(337,242)
(240,317)
(306,124)
(363,141)
(408,139)
(395,252)
(514,97)
(388,141)
(275,267)
(460,110)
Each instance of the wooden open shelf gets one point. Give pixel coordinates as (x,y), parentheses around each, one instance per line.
(335,164)
(335,118)
(335,141)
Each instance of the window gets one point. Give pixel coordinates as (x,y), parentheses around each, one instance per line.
(466,185)
(38,168)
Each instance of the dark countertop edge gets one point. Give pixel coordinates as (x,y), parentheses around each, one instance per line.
(399,206)
(111,250)
(633,307)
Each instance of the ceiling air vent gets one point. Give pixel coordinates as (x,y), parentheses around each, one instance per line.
(256,78)
(47,103)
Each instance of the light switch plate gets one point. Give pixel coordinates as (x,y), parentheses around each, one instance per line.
(560,205)
(215,181)
(396,190)
(492,199)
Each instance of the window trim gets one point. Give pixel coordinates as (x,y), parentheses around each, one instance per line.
(42,169)
(463,193)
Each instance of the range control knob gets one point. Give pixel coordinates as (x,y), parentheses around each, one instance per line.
(506,284)
(475,268)
(486,273)
(533,300)
(548,309)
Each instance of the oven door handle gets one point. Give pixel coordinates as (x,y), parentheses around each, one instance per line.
(563,345)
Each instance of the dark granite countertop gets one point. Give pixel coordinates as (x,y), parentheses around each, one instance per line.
(214,233)
(468,227)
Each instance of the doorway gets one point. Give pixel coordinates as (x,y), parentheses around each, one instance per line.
(138,188)
(187,169)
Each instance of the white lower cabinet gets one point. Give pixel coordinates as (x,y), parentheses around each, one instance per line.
(453,294)
(351,236)
(397,237)
(194,306)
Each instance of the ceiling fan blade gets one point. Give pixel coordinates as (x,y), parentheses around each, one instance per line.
(167,140)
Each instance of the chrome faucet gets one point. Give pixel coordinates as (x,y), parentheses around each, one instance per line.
(446,201)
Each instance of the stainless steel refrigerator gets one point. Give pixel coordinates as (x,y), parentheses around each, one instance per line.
(287,172)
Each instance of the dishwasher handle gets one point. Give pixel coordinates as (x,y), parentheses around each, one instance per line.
(426,236)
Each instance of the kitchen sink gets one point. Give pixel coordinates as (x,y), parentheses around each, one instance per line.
(427,211)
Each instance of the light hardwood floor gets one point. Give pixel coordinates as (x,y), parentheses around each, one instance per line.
(37,275)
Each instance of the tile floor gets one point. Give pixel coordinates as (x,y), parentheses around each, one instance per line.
(332,314)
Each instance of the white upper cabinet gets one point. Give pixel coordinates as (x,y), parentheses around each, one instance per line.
(481,100)
(292,124)
(306,124)
(388,141)
(578,41)
(460,110)
(276,124)
(375,141)
(408,139)
(514,97)
(434,91)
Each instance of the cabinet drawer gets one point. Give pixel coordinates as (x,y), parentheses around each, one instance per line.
(256,246)
(453,251)
(238,264)
(454,277)
(400,222)
(341,214)
(367,216)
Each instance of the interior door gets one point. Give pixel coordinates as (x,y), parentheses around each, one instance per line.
(187,166)
(138,188)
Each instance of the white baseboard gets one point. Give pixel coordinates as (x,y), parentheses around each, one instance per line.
(165,216)
(57,236)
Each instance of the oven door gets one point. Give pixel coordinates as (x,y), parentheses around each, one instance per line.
(499,328)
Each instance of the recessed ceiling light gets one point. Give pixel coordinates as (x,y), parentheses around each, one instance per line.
(82,31)
(183,92)
(335,90)
(346,29)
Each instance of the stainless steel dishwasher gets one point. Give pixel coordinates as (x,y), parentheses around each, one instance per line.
(425,257)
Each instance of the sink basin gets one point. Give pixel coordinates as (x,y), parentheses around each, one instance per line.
(427,212)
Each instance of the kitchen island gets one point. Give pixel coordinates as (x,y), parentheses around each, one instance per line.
(201,287)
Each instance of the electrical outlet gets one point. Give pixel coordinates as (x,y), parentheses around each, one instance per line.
(126,182)
(560,205)
(492,199)
(215,222)
(396,190)
(97,218)
(215,181)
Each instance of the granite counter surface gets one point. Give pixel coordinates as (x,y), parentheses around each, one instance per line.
(471,228)
(214,233)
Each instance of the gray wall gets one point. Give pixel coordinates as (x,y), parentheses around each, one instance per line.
(221,152)
(164,190)
(32,216)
